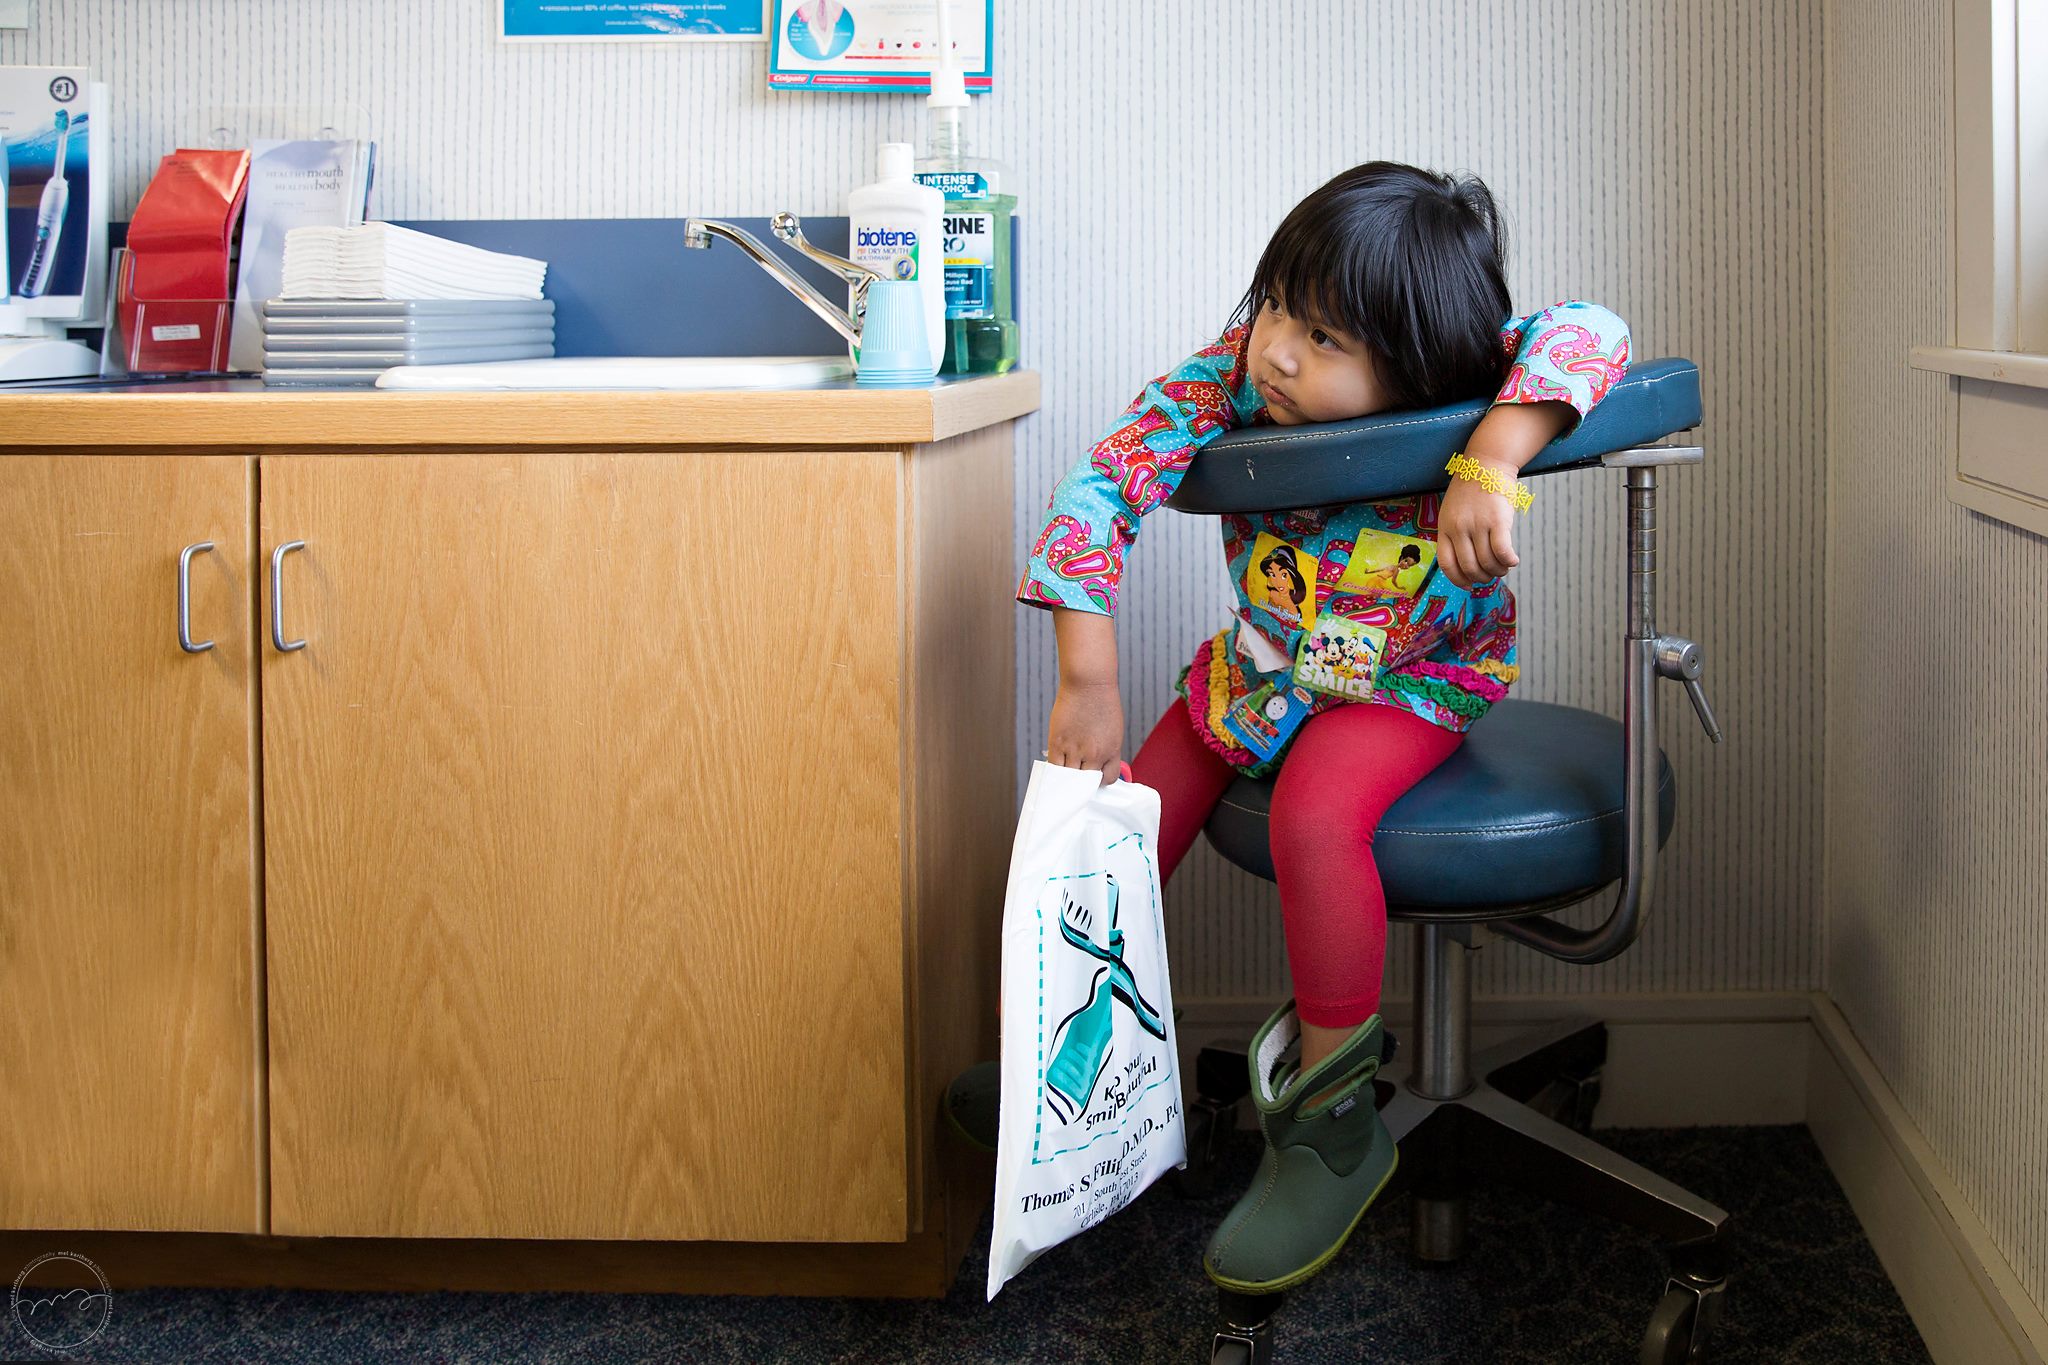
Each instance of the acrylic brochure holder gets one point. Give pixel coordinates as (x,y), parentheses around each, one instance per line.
(194,336)
(164,336)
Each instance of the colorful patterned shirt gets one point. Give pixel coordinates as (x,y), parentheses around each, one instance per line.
(1347,600)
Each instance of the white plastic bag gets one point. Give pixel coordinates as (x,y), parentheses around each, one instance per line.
(1091,1104)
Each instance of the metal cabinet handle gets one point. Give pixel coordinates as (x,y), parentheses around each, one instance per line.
(185,640)
(284,646)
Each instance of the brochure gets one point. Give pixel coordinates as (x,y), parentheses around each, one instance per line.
(291,184)
(876,44)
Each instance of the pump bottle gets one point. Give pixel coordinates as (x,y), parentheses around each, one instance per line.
(981,326)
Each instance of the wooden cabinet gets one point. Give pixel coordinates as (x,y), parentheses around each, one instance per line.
(130,938)
(584,887)
(619,860)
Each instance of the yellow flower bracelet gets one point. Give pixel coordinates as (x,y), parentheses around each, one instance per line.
(1463,466)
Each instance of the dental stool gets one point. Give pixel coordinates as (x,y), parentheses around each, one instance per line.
(1542,806)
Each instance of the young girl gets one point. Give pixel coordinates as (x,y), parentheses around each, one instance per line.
(1381,290)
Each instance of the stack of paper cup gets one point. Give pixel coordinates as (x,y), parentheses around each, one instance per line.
(894,353)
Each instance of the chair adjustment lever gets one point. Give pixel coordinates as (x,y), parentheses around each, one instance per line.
(1681,659)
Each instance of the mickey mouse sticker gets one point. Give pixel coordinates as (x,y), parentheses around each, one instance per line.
(1341,658)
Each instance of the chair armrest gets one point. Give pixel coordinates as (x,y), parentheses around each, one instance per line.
(1271,469)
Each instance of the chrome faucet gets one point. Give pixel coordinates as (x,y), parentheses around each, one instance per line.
(788,228)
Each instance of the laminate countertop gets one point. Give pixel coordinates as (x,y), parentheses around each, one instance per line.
(242,414)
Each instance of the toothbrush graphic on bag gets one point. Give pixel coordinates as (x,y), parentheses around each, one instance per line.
(1081,1040)
(35,277)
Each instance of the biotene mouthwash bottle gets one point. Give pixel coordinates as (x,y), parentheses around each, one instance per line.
(981,320)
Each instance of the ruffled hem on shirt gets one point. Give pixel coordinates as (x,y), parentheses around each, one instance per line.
(1449,696)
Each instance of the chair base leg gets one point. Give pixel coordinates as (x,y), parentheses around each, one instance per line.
(1486,1130)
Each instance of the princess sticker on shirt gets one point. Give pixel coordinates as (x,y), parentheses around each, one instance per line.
(1386,565)
(1341,657)
(1280,579)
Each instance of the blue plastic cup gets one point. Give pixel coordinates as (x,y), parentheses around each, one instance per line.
(894,351)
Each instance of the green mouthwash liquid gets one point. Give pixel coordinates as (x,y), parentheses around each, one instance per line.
(975,223)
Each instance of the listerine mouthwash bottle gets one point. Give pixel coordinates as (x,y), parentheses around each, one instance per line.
(981,318)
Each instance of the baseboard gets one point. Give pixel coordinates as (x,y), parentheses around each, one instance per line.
(1768,1058)
(1969,1306)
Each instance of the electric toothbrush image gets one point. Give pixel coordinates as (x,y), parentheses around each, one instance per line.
(894,230)
(42,252)
(53,256)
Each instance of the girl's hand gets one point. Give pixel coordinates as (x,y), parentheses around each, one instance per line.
(1087,728)
(1475,529)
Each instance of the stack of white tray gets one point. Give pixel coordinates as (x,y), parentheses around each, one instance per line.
(326,342)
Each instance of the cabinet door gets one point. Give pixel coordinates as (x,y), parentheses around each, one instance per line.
(130,1034)
(582,821)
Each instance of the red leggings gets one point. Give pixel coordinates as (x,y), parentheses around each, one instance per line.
(1347,766)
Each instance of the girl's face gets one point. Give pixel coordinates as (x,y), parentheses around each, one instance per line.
(1308,372)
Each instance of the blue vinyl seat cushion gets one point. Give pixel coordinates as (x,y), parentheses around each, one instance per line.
(1528,810)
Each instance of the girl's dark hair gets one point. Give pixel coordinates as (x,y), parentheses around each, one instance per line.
(1283,555)
(1407,261)
(1409,555)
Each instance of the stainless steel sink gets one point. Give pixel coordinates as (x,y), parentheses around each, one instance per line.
(627,372)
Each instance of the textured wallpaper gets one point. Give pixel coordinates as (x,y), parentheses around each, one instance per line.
(1937,742)
(1663,159)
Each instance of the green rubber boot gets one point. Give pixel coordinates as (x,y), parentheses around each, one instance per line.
(1323,1165)
(973,1104)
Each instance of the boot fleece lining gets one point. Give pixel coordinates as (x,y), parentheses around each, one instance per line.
(1272,1047)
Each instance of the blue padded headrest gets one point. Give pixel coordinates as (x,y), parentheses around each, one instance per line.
(1270,469)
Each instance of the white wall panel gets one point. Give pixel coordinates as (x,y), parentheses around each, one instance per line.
(1937,656)
(1664,159)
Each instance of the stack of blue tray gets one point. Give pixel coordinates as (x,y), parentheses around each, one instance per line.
(326,342)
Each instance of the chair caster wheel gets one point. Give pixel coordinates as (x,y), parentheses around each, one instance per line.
(1570,1100)
(1246,1336)
(1209,1126)
(1679,1327)
(1582,1095)
(1231,1349)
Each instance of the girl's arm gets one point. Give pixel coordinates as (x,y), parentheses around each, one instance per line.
(1078,559)
(1087,728)
(1566,358)
(1076,565)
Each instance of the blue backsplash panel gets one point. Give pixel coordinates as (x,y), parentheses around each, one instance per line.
(628,286)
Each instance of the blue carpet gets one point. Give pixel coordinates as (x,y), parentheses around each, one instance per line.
(1538,1285)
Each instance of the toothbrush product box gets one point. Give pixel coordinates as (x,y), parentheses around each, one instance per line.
(53,235)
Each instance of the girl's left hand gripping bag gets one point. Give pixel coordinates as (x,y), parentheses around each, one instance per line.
(1091,1103)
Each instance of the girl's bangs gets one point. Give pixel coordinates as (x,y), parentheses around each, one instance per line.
(1316,272)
